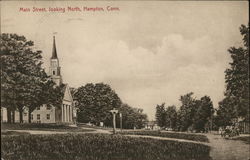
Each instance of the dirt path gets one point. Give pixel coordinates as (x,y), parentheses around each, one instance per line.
(63,132)
(165,138)
(39,132)
(225,149)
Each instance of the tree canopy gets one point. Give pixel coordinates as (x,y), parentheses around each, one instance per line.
(95,102)
(193,113)
(236,101)
(132,117)
(23,80)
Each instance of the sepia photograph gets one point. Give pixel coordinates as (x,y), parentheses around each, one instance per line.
(124,80)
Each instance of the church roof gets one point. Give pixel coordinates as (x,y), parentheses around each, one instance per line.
(65,94)
(54,53)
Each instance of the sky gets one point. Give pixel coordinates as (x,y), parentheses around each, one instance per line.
(148,52)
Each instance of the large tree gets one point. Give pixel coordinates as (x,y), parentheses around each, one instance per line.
(236,101)
(95,102)
(203,114)
(132,117)
(19,64)
(171,116)
(237,76)
(24,82)
(187,111)
(160,115)
(226,112)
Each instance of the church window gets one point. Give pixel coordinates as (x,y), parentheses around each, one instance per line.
(31,116)
(38,116)
(54,72)
(38,108)
(48,116)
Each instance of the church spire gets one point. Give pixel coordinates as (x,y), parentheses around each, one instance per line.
(54,53)
(55,69)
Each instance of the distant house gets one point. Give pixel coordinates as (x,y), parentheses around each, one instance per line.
(50,114)
(152,125)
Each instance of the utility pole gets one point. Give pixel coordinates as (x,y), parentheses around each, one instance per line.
(114,112)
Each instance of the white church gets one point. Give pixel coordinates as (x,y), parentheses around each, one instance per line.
(50,114)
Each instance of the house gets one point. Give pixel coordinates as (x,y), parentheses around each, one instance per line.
(66,113)
(152,125)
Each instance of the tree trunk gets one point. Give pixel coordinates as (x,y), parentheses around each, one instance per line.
(13,116)
(29,116)
(20,115)
(8,115)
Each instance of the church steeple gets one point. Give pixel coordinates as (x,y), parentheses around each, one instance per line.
(54,65)
(54,53)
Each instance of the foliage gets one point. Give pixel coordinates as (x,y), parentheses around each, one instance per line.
(132,117)
(187,111)
(193,114)
(226,112)
(160,115)
(171,117)
(95,102)
(99,147)
(23,80)
(237,83)
(203,114)
(186,136)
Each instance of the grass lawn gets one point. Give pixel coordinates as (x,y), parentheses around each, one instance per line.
(43,127)
(187,136)
(99,147)
(8,133)
(245,139)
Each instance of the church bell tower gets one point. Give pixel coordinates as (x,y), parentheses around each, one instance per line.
(55,69)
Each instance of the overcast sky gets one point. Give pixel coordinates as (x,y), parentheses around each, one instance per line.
(148,52)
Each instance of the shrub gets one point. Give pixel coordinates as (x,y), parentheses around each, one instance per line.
(99,147)
(187,136)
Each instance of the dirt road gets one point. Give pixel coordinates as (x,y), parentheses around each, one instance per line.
(225,149)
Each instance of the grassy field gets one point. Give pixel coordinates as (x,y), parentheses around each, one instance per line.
(44,127)
(245,139)
(187,136)
(98,147)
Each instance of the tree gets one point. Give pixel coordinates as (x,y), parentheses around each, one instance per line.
(171,117)
(95,102)
(186,112)
(160,115)
(203,114)
(226,112)
(18,65)
(24,81)
(132,117)
(237,76)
